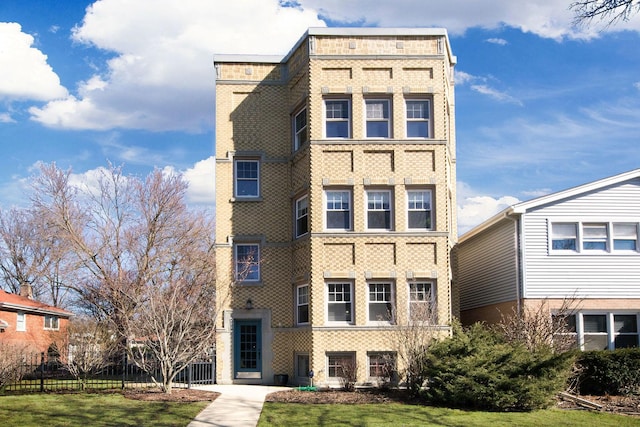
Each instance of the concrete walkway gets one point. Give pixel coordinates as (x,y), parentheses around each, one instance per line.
(237,405)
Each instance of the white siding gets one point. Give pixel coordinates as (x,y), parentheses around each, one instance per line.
(583,275)
(487,272)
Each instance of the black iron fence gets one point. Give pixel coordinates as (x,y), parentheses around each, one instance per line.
(39,372)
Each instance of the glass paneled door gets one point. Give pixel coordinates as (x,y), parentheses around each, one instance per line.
(247,339)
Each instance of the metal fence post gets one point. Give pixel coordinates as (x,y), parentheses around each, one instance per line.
(124,368)
(42,371)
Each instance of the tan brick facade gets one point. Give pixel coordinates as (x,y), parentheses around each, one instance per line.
(256,102)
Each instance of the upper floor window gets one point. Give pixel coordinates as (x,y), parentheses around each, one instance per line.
(21,321)
(378,118)
(379,209)
(302,304)
(300,133)
(380,302)
(247,262)
(418,118)
(419,209)
(337,118)
(302,216)
(51,322)
(594,237)
(338,209)
(247,178)
(625,237)
(339,302)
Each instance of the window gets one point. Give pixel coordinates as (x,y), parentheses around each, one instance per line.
(247,173)
(302,365)
(563,236)
(421,302)
(302,304)
(340,304)
(595,332)
(300,135)
(379,210)
(337,118)
(419,209)
(380,302)
(625,330)
(302,216)
(565,331)
(382,365)
(340,364)
(247,259)
(21,322)
(418,119)
(338,208)
(378,118)
(625,237)
(51,322)
(594,237)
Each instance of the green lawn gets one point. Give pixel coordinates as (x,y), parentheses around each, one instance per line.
(95,410)
(394,414)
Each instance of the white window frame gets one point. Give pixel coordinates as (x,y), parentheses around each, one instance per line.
(333,367)
(328,120)
(423,297)
(300,134)
(301,212)
(426,120)
(429,201)
(237,179)
(610,332)
(335,293)
(302,300)
(586,233)
(376,293)
(377,205)
(21,321)
(51,322)
(349,209)
(373,116)
(254,263)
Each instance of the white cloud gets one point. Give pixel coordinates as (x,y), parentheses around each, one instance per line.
(6,118)
(473,208)
(24,71)
(496,94)
(201,179)
(162,76)
(498,41)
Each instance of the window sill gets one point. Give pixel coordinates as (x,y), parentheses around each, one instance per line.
(246,199)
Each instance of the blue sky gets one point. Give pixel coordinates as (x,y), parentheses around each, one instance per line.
(541,105)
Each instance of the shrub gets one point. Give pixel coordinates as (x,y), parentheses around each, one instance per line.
(479,368)
(609,372)
(10,363)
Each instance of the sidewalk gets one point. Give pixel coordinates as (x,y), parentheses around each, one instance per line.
(237,405)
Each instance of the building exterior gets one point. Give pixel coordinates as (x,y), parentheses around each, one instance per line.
(579,245)
(335,201)
(30,325)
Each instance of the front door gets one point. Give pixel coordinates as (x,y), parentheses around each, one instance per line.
(247,353)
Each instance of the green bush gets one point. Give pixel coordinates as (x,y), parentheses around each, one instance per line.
(478,368)
(609,372)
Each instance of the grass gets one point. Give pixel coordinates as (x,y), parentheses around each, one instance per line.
(280,414)
(96,410)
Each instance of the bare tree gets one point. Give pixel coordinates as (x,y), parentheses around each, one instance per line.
(540,327)
(412,341)
(11,359)
(86,348)
(609,11)
(144,262)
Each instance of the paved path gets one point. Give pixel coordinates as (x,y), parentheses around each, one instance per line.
(237,406)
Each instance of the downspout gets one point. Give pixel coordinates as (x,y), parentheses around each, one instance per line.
(517,231)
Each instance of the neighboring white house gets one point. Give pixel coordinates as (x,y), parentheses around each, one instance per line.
(581,243)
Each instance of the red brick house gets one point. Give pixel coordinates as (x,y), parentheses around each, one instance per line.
(30,324)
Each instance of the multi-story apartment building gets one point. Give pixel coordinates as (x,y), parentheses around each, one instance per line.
(335,201)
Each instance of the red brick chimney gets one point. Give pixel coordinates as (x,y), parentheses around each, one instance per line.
(26,291)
